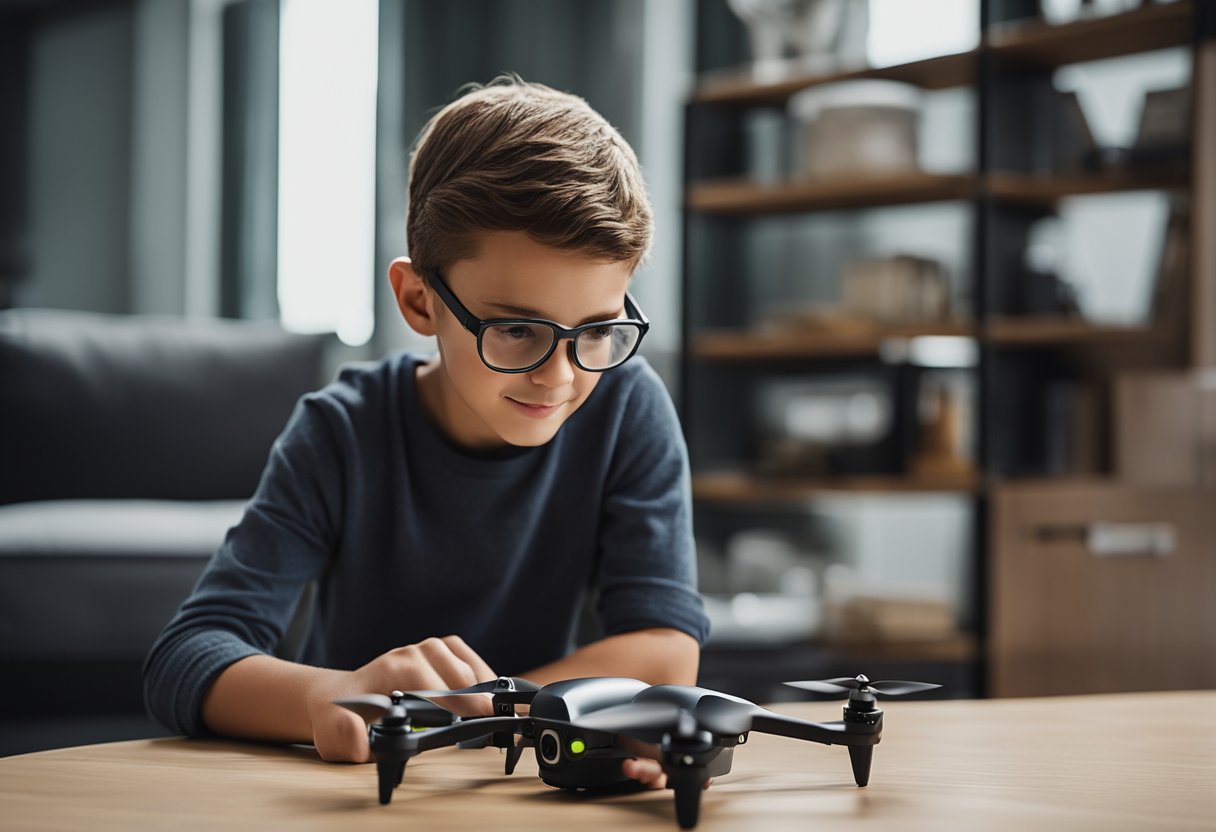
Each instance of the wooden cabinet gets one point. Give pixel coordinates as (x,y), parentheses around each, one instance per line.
(1097,587)
(1047,617)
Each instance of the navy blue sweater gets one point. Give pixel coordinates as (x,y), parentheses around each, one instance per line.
(410,536)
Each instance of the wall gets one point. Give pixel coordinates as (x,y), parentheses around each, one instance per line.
(80,74)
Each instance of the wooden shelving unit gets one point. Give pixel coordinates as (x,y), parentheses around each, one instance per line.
(742,197)
(1044,191)
(741,88)
(1141,30)
(962,647)
(1054,332)
(740,488)
(1011,58)
(809,343)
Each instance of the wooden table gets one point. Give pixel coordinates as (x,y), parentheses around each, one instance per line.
(1129,761)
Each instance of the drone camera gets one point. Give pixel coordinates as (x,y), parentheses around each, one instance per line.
(550,746)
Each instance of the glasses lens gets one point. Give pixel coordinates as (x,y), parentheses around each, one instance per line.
(604,347)
(515,346)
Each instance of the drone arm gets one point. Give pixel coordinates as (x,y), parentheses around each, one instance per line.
(466,730)
(828,733)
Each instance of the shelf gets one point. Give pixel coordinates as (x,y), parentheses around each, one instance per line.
(1141,30)
(742,197)
(741,88)
(1045,191)
(1155,26)
(959,648)
(810,343)
(741,488)
(1055,331)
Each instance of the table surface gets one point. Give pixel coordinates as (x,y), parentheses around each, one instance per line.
(1125,761)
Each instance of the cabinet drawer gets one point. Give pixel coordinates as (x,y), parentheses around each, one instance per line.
(1099,587)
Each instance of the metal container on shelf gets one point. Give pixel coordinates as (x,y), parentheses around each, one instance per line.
(857,127)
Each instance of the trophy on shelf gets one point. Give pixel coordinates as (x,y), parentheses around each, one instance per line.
(819,35)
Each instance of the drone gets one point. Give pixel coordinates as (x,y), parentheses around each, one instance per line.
(575,727)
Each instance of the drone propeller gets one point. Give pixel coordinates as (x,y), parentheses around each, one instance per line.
(845,684)
(370,706)
(713,714)
(638,718)
(517,689)
(396,709)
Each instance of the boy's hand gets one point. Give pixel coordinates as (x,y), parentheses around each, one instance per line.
(648,772)
(435,664)
(645,768)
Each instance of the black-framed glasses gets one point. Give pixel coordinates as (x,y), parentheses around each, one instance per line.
(518,345)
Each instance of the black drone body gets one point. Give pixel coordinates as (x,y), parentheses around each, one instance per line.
(580,729)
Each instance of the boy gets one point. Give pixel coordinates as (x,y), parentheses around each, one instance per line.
(476,492)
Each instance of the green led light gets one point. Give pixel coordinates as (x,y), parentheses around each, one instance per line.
(577,747)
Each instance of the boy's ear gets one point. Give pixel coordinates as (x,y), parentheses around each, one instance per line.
(414,297)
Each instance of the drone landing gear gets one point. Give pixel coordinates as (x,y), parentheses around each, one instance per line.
(390,774)
(688,784)
(861,756)
(689,758)
(514,752)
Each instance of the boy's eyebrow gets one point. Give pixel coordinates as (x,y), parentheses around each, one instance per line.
(512,311)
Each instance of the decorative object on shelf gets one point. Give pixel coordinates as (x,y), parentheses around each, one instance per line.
(1164,133)
(1162,139)
(939,450)
(899,289)
(857,127)
(1074,428)
(761,618)
(771,591)
(1073,147)
(820,35)
(1058,12)
(764,560)
(767,136)
(825,427)
(1039,288)
(1169,303)
(859,609)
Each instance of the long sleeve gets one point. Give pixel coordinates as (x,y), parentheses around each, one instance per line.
(646,574)
(243,602)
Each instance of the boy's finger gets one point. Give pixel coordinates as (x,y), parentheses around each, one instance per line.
(450,672)
(646,771)
(455,671)
(463,651)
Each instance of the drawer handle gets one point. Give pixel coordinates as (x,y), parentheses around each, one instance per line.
(1116,540)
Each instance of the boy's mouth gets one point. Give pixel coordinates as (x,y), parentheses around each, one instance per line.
(535,410)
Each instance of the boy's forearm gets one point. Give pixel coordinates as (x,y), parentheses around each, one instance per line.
(656,656)
(265,698)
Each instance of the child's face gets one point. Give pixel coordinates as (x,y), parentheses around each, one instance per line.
(516,277)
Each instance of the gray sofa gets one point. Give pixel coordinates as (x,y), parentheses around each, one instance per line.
(128,446)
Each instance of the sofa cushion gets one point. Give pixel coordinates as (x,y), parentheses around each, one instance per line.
(110,406)
(99,579)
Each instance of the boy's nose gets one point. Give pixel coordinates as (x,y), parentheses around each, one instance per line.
(559,370)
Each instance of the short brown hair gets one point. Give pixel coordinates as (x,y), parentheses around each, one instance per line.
(518,156)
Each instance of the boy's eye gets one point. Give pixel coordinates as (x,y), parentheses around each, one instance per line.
(516,332)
